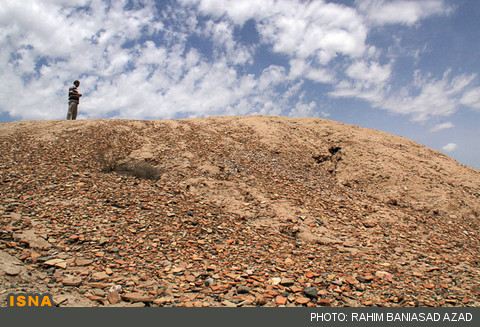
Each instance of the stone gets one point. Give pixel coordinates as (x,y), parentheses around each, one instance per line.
(12,271)
(59,300)
(113,297)
(98,285)
(350,280)
(275,281)
(95,298)
(53,262)
(69,280)
(137,297)
(98,292)
(99,276)
(322,292)
(311,292)
(34,256)
(323,302)
(287,281)
(164,300)
(33,240)
(367,303)
(243,290)
(384,275)
(280,300)
(83,262)
(295,289)
(115,288)
(475,289)
(209,282)
(59,263)
(368,277)
(302,300)
(228,304)
(260,300)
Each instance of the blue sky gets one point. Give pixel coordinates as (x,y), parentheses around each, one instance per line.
(409,68)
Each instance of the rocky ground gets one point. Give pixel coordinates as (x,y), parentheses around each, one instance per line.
(234,211)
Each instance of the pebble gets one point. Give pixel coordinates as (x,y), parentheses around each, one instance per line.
(60,263)
(302,300)
(243,289)
(12,271)
(113,297)
(289,262)
(287,281)
(280,300)
(323,302)
(229,304)
(384,275)
(137,297)
(311,292)
(83,262)
(350,280)
(368,278)
(276,281)
(69,280)
(115,288)
(209,282)
(260,301)
(99,276)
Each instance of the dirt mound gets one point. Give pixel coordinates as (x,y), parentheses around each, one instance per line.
(234,211)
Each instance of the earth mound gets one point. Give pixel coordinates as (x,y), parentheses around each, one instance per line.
(234,211)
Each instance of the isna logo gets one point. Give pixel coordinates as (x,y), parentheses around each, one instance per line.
(29,300)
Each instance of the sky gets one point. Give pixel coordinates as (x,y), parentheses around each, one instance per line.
(409,68)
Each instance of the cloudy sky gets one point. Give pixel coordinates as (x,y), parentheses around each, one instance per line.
(410,68)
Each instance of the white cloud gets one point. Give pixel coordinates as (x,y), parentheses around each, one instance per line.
(433,97)
(147,79)
(450,147)
(370,73)
(224,44)
(366,80)
(426,97)
(316,30)
(138,63)
(49,44)
(471,98)
(238,11)
(382,12)
(320,75)
(442,126)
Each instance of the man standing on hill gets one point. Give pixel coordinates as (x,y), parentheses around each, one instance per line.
(73,101)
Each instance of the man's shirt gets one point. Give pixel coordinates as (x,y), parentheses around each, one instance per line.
(73,95)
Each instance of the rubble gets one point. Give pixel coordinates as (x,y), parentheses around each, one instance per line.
(243,211)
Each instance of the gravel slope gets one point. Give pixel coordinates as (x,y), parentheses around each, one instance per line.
(234,211)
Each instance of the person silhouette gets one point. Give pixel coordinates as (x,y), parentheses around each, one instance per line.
(73,101)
